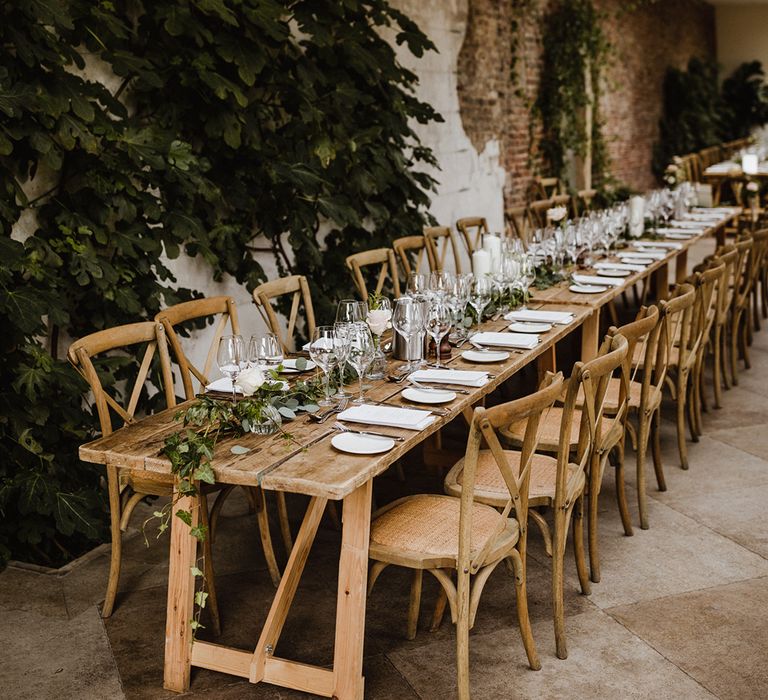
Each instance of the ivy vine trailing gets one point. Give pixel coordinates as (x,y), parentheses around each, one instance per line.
(574,46)
(220,127)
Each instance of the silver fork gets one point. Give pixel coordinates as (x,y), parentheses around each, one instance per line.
(424,387)
(343,402)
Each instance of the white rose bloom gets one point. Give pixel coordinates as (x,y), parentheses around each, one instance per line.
(557,213)
(378,320)
(250,380)
(752,187)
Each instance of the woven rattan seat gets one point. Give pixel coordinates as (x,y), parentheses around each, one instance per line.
(425,528)
(491,488)
(549,430)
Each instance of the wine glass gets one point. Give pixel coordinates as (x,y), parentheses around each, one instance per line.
(342,330)
(480,294)
(438,325)
(265,351)
(351,311)
(361,352)
(417,285)
(230,356)
(440,283)
(457,301)
(323,349)
(408,321)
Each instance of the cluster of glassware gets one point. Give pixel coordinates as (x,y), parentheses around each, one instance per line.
(663,204)
(234,355)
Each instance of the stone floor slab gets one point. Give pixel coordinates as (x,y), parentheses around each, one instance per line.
(718,636)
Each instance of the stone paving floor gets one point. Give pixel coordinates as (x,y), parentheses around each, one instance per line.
(681,611)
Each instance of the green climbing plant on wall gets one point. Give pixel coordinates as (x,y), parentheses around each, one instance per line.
(221,126)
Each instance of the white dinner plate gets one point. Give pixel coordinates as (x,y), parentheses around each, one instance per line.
(529,327)
(361,444)
(478,356)
(608,272)
(420,396)
(587,289)
(638,261)
(289,366)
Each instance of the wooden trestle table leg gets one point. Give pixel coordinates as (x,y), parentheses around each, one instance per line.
(590,336)
(181,595)
(661,282)
(547,362)
(681,266)
(350,601)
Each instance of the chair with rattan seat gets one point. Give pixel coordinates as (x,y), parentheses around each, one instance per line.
(760,237)
(558,482)
(442,534)
(472,229)
(735,333)
(518,225)
(298,287)
(411,252)
(441,246)
(384,260)
(223,311)
(127,488)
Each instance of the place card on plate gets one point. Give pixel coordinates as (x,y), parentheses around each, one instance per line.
(462,377)
(598,280)
(389,416)
(522,341)
(559,318)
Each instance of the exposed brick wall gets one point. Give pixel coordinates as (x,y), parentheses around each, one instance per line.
(646,42)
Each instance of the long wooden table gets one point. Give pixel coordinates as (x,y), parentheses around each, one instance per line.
(311,466)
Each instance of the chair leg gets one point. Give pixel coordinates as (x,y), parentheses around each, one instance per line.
(115,559)
(210,576)
(578,548)
(658,465)
(462,635)
(682,393)
(745,342)
(717,376)
(414,604)
(593,495)
(285,525)
(262,517)
(216,509)
(725,355)
(690,402)
(523,619)
(437,615)
(621,492)
(558,605)
(642,451)
(735,330)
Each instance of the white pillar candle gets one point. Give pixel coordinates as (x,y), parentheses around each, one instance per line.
(492,245)
(481,262)
(749,163)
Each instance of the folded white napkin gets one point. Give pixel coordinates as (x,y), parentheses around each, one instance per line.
(390,416)
(641,254)
(631,267)
(679,233)
(724,211)
(560,318)
(223,384)
(524,341)
(601,281)
(452,376)
(724,167)
(692,225)
(657,244)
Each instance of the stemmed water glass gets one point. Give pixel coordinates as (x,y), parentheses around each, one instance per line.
(438,325)
(230,358)
(351,311)
(480,295)
(457,299)
(323,349)
(265,351)
(417,285)
(440,284)
(361,352)
(342,330)
(408,321)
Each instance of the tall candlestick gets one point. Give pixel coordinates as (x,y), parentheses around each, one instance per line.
(481,262)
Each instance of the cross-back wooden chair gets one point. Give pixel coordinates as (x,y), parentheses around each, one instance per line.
(644,397)
(173,320)
(582,202)
(385,259)
(126,487)
(537,212)
(518,224)
(737,334)
(411,252)
(472,229)
(760,237)
(298,287)
(443,534)
(223,311)
(568,436)
(544,188)
(440,241)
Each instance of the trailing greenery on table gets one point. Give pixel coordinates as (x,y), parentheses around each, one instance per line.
(221,128)
(546,276)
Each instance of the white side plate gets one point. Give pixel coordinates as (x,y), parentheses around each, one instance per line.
(361,444)
(420,396)
(526,327)
(587,289)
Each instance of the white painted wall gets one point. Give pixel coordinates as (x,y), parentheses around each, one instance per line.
(742,34)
